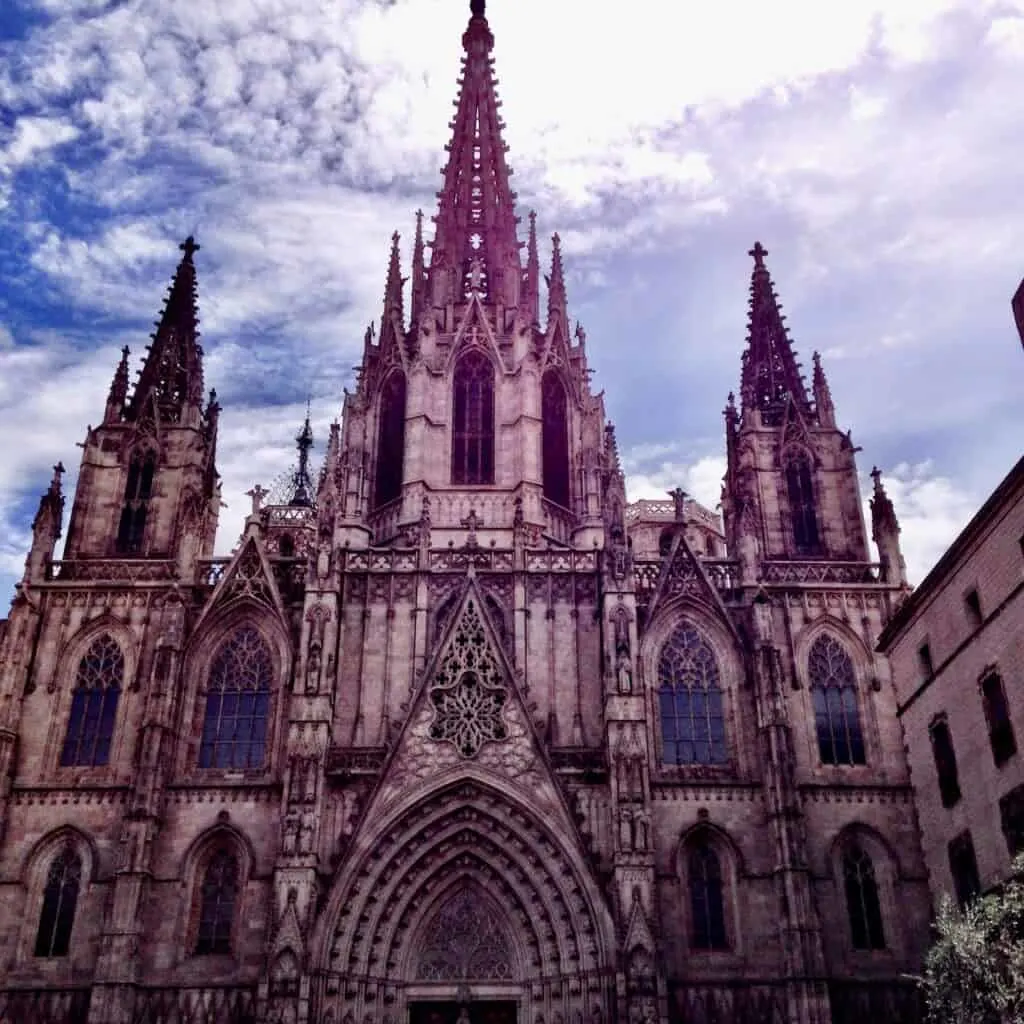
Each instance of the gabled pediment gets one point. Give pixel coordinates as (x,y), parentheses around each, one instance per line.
(474,331)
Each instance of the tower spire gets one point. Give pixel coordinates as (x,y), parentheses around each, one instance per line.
(557,302)
(476,211)
(532,278)
(823,405)
(118,390)
(771,373)
(302,484)
(172,374)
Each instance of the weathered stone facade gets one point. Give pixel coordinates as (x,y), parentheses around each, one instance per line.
(460,728)
(957,654)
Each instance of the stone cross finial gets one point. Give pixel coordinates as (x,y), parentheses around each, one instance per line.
(758,252)
(258,493)
(189,246)
(678,496)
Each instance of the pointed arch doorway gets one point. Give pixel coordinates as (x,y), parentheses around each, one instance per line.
(464,966)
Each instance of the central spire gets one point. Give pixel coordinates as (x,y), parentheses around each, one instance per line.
(476,221)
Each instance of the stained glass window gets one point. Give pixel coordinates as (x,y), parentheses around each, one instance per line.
(138,490)
(555,439)
(690,700)
(834,696)
(390,439)
(94,705)
(707,905)
(237,703)
(862,904)
(473,421)
(217,897)
(60,898)
(800,489)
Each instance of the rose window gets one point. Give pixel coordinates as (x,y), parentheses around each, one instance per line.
(468,714)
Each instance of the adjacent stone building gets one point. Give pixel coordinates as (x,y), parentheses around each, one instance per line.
(456,733)
(957,652)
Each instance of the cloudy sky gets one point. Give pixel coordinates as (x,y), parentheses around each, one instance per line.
(877,155)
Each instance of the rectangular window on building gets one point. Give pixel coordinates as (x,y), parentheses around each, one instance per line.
(945,761)
(973,605)
(924,657)
(963,866)
(997,715)
(1011,814)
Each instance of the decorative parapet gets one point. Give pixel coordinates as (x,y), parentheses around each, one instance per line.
(665,511)
(112,570)
(803,572)
(344,763)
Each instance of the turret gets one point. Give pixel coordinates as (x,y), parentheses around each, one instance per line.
(885,532)
(46,529)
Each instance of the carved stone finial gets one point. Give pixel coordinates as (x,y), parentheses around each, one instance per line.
(758,252)
(189,247)
(477,8)
(678,496)
(258,493)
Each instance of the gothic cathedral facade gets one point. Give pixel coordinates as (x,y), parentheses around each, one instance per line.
(456,733)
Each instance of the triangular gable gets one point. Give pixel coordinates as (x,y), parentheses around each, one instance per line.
(794,430)
(638,930)
(392,343)
(469,714)
(248,577)
(682,575)
(474,330)
(555,348)
(289,933)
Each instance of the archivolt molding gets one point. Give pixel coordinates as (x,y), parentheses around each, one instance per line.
(863,659)
(467,834)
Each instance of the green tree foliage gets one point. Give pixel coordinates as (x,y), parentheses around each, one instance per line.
(974,973)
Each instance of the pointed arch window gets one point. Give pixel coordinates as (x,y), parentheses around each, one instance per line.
(555,439)
(834,697)
(690,700)
(218,895)
(138,491)
(473,421)
(800,490)
(862,903)
(390,439)
(237,703)
(94,705)
(60,900)
(707,902)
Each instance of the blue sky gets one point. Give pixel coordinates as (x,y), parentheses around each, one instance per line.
(876,154)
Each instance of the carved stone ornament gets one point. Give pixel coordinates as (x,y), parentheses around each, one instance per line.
(467,693)
(465,942)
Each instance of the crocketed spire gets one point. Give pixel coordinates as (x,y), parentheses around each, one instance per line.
(476,221)
(771,373)
(172,374)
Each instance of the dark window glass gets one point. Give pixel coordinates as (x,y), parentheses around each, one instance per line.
(94,705)
(945,762)
(690,700)
(1011,815)
(834,698)
(963,866)
(60,898)
(800,488)
(973,605)
(138,490)
(555,439)
(217,898)
(997,714)
(707,906)
(473,421)
(390,439)
(237,703)
(862,904)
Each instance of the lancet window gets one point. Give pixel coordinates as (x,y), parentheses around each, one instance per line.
(94,705)
(60,900)
(390,439)
(707,901)
(237,703)
(555,439)
(800,490)
(138,491)
(690,700)
(862,903)
(473,421)
(834,696)
(218,895)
